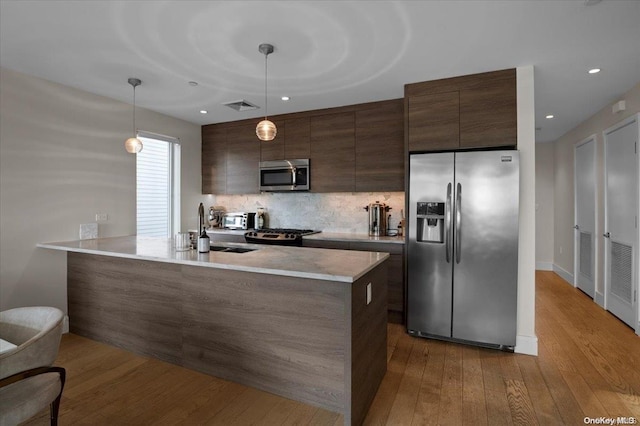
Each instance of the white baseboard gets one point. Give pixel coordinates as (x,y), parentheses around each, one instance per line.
(544,266)
(599,299)
(567,276)
(527,345)
(65,324)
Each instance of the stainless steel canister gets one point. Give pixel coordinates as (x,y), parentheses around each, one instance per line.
(377,218)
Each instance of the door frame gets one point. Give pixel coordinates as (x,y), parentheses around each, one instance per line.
(598,298)
(605,133)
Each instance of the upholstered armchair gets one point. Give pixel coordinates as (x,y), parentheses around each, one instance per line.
(28,382)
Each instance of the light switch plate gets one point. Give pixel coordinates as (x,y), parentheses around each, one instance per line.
(368,293)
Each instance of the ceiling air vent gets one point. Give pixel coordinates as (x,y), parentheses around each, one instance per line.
(241,105)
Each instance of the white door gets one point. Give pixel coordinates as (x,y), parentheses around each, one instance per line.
(585,216)
(621,220)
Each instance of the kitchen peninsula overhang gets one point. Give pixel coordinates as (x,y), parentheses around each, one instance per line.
(342,266)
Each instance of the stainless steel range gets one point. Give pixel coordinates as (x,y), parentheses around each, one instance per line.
(278,236)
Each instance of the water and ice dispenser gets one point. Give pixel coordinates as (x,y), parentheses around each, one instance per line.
(430,226)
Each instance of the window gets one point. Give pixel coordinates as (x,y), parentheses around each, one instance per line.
(158,185)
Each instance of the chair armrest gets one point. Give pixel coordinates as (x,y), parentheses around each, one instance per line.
(33,372)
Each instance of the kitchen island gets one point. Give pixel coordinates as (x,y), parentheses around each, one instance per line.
(294,321)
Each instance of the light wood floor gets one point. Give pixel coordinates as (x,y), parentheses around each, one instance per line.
(588,366)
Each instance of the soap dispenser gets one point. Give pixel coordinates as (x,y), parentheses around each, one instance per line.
(203,242)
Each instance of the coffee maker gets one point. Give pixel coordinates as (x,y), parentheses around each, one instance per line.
(377,218)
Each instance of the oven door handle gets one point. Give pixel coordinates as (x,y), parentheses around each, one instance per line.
(294,171)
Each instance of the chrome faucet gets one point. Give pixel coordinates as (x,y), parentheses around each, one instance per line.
(200,219)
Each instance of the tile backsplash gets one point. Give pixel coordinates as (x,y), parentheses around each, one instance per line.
(329,212)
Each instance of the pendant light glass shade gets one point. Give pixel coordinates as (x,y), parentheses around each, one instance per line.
(133,145)
(266,130)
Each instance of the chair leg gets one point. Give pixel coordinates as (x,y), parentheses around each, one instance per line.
(54,408)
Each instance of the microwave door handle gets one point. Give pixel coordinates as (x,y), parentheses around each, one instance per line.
(293,175)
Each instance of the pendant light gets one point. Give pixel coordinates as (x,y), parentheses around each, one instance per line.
(133,145)
(266,130)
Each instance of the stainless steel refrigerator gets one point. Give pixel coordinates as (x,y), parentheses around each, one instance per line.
(462,264)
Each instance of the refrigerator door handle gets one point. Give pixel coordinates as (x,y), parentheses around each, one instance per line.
(447,224)
(458,221)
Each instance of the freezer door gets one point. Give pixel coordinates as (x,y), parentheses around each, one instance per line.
(429,261)
(485,276)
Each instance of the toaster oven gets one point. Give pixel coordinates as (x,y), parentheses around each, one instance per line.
(239,220)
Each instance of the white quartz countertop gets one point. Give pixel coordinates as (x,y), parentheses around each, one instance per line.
(353,237)
(328,236)
(322,264)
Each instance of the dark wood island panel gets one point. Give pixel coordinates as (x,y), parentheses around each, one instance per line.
(316,341)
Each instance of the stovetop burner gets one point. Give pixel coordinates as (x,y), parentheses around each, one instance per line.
(287,231)
(278,236)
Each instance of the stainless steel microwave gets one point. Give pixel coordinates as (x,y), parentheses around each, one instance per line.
(284,175)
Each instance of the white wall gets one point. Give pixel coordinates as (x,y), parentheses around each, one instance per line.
(62,160)
(544,205)
(526,340)
(564,186)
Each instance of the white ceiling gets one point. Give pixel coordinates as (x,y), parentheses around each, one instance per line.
(327,53)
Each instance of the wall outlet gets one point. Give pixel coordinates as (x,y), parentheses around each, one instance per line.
(560,249)
(368,293)
(102,217)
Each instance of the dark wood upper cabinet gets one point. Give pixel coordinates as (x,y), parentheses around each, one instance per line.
(433,121)
(297,142)
(214,160)
(471,111)
(333,152)
(243,156)
(488,113)
(291,142)
(380,147)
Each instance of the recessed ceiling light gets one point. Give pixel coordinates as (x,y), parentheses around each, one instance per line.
(549,116)
(285,98)
(594,70)
(203,111)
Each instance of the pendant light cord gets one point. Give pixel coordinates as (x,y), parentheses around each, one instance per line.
(134,112)
(266,55)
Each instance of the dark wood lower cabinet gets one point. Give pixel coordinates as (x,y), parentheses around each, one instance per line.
(395,284)
(314,341)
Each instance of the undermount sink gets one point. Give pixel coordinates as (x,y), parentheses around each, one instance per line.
(231,249)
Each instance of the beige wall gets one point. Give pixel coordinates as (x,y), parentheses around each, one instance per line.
(62,161)
(526,340)
(544,205)
(564,186)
